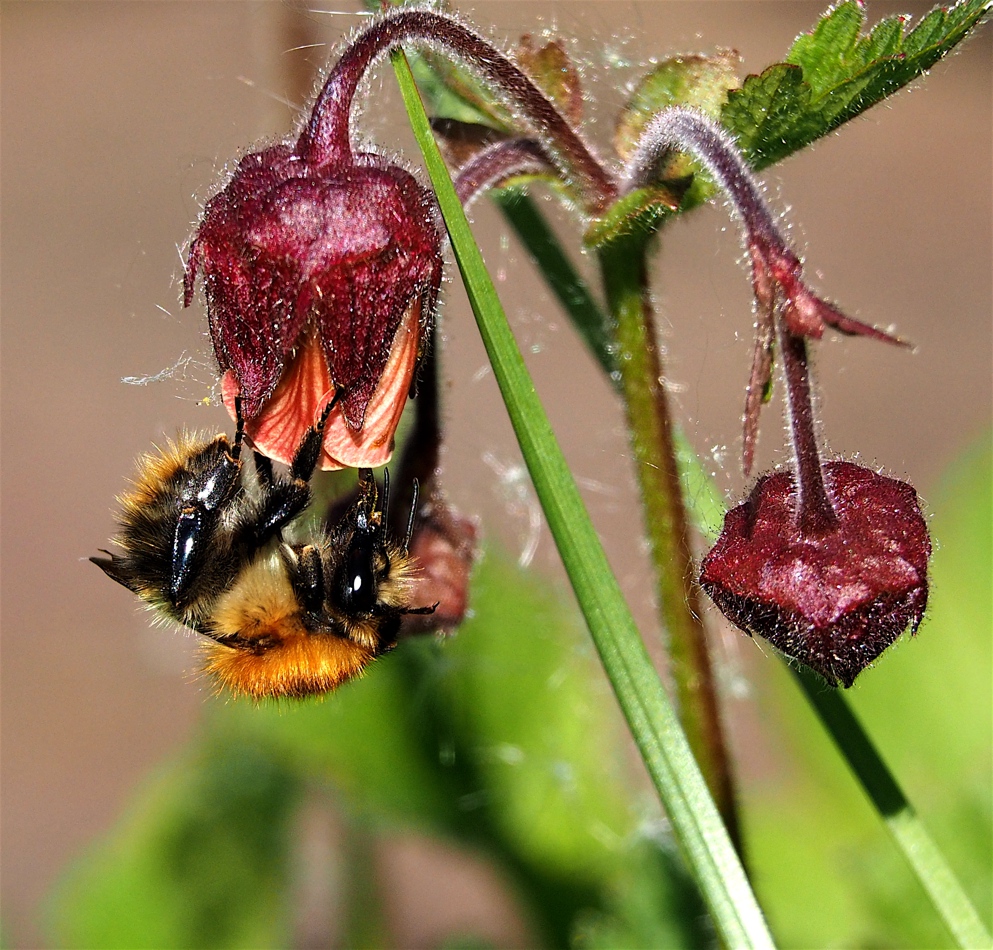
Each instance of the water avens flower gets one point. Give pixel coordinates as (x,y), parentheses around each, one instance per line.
(321,264)
(319,276)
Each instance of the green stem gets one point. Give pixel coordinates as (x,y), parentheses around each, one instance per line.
(624,268)
(651,718)
(656,457)
(908,831)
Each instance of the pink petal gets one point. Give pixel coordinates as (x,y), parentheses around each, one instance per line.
(372,445)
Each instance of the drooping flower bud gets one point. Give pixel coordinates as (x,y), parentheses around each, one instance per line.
(444,545)
(832,599)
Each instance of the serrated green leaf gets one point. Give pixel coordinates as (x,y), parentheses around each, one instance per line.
(833,74)
(824,54)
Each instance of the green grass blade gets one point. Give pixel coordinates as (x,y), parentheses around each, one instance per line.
(650,715)
(903,823)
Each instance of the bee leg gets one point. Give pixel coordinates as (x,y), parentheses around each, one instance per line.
(368,491)
(263,471)
(201,505)
(415,491)
(239,436)
(284,499)
(309,452)
(306,573)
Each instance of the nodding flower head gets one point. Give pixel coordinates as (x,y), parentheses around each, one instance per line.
(321,269)
(318,278)
(321,266)
(832,598)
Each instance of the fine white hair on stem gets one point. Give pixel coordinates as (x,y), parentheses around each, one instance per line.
(688,130)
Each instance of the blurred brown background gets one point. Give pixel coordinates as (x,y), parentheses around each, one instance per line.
(118,119)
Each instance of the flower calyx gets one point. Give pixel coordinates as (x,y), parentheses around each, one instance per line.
(832,600)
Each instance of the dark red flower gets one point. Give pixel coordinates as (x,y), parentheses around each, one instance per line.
(832,599)
(318,277)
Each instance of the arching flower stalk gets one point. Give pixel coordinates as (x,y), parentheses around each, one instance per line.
(828,563)
(777,272)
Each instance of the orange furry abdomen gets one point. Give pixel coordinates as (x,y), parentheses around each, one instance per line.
(275,655)
(297,666)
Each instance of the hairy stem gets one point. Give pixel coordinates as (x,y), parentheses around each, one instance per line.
(497,163)
(623,265)
(815,513)
(326,137)
(686,130)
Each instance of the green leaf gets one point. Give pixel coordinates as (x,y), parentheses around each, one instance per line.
(835,73)
(503,737)
(457,93)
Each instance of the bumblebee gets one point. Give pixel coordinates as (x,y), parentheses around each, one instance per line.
(203,546)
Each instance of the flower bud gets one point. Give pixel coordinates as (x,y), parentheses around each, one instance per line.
(444,545)
(831,599)
(319,277)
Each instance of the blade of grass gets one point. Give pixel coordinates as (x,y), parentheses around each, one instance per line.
(649,713)
(908,831)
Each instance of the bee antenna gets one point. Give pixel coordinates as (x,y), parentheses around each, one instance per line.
(415,490)
(386,494)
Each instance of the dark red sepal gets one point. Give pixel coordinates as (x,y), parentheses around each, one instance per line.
(833,600)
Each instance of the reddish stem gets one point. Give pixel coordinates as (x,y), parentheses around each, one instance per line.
(815,513)
(499,162)
(326,137)
(687,130)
